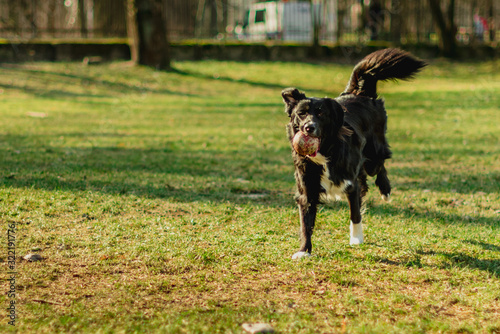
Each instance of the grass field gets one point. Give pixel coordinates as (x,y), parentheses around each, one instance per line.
(163,203)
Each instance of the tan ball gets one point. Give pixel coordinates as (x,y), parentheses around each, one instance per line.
(304,144)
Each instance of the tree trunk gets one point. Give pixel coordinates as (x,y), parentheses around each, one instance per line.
(340,20)
(316,26)
(83,18)
(445,27)
(491,15)
(147,33)
(132,34)
(396,24)
(200,14)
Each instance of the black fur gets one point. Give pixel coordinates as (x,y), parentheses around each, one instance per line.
(351,129)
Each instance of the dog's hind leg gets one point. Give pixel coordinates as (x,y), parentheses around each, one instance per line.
(363,185)
(383,184)
(356,227)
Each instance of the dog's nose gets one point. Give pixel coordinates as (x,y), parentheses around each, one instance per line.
(310,128)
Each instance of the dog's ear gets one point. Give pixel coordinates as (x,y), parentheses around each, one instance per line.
(337,113)
(291,96)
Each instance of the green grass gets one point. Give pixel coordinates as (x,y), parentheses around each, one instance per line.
(163,202)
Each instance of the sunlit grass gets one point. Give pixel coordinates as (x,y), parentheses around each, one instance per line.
(163,202)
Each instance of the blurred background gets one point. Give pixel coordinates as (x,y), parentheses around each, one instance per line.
(310,22)
(250,20)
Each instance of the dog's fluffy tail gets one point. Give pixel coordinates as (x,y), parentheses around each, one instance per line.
(386,64)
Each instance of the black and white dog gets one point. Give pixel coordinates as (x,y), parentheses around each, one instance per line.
(351,129)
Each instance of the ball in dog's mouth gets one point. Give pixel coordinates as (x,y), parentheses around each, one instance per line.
(305,145)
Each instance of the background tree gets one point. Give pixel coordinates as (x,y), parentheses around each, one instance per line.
(147,33)
(316,25)
(211,18)
(445,26)
(491,14)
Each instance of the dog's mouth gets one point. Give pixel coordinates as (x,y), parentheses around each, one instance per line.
(315,153)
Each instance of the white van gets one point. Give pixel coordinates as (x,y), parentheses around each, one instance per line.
(286,21)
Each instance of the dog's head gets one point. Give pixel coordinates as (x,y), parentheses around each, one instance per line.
(315,117)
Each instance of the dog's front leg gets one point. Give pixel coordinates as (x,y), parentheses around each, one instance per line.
(307,214)
(308,176)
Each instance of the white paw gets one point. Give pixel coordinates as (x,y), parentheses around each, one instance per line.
(300,255)
(387,198)
(356,234)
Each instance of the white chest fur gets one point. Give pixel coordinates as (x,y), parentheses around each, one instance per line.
(333,192)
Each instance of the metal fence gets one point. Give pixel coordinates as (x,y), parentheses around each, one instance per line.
(333,21)
(30,19)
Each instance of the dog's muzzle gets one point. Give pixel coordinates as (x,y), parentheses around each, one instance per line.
(310,129)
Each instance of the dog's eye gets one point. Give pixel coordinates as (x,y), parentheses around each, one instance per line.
(301,112)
